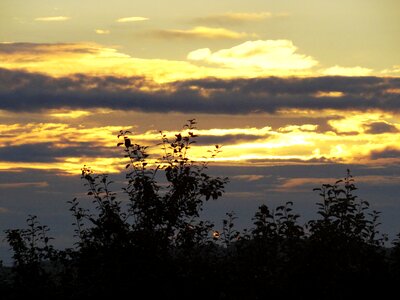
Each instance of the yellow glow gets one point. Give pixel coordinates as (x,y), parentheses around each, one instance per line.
(102,31)
(131,19)
(297,128)
(338,151)
(70,166)
(70,114)
(62,134)
(317,153)
(394,71)
(347,71)
(333,94)
(222,132)
(52,19)
(199,54)
(355,122)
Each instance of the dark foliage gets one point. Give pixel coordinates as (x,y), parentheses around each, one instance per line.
(157,246)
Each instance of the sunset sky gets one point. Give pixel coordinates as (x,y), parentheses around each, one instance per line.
(295,91)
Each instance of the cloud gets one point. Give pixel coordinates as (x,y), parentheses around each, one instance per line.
(49,152)
(62,135)
(346,71)
(281,161)
(380,127)
(298,128)
(388,152)
(102,31)
(250,178)
(70,114)
(14,52)
(368,122)
(227,138)
(301,184)
(260,55)
(308,183)
(52,19)
(392,91)
(59,146)
(203,32)
(24,91)
(320,94)
(18,185)
(231,18)
(258,58)
(131,19)
(393,71)
(65,59)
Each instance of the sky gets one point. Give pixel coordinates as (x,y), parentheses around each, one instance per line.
(296,92)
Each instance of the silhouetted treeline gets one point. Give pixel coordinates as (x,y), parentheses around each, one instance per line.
(158,248)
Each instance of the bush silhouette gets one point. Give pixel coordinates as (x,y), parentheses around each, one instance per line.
(158,247)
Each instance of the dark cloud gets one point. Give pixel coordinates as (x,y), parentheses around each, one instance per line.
(43,48)
(385,153)
(22,91)
(46,152)
(380,127)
